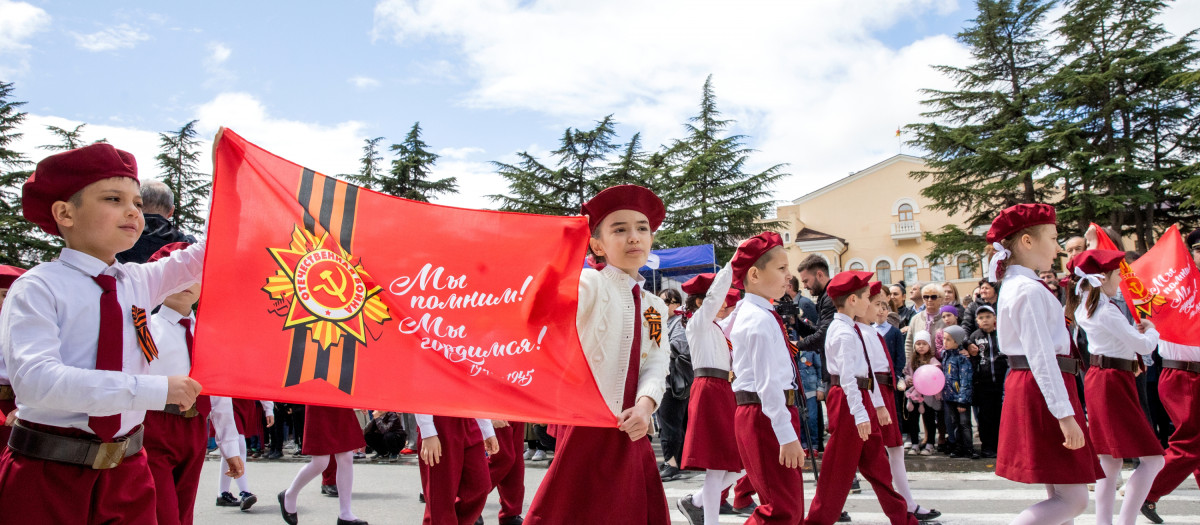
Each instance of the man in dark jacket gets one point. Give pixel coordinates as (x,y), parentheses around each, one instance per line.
(158,204)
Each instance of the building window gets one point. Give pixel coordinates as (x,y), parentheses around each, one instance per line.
(787,237)
(857,266)
(906,212)
(937,271)
(966,267)
(910,270)
(883,272)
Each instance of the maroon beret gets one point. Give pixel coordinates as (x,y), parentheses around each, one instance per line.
(625,197)
(749,252)
(1097,261)
(1016,218)
(699,284)
(166,251)
(59,176)
(8,274)
(848,282)
(876,289)
(732,297)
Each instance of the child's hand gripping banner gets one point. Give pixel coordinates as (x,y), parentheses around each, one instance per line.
(320,292)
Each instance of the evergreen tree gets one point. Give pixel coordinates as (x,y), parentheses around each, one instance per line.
(411,169)
(985,142)
(21,243)
(632,166)
(69,139)
(369,175)
(713,199)
(179,160)
(583,162)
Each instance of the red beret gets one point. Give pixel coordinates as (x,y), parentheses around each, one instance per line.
(846,283)
(876,289)
(624,197)
(699,284)
(166,251)
(749,252)
(1097,261)
(8,274)
(59,176)
(732,297)
(1016,218)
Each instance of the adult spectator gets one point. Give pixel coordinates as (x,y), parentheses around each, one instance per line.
(794,308)
(896,300)
(385,435)
(951,298)
(928,319)
(987,297)
(1193,242)
(814,275)
(1075,246)
(914,297)
(158,205)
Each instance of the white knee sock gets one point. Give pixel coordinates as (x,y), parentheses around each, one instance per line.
(1063,504)
(307,473)
(709,497)
(224,480)
(345,484)
(1138,487)
(900,476)
(1106,489)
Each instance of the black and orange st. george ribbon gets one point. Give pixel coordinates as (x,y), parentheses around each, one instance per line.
(145,341)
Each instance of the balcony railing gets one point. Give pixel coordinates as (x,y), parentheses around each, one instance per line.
(906,230)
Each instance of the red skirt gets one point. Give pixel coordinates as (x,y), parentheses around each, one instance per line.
(599,476)
(1031,449)
(710,442)
(247,417)
(891,433)
(331,430)
(1116,424)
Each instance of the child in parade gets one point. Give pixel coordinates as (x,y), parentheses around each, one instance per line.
(454,471)
(330,434)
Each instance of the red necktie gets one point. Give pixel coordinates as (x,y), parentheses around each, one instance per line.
(792,349)
(635,354)
(108,350)
(203,405)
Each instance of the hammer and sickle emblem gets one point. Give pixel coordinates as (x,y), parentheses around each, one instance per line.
(329,287)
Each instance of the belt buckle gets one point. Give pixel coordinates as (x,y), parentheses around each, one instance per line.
(871,382)
(110,455)
(191,412)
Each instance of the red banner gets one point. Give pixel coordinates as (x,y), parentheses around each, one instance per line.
(1161,286)
(320,292)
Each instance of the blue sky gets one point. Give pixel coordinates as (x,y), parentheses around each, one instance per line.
(820,86)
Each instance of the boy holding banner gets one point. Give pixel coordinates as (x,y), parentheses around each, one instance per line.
(73,333)
(620,328)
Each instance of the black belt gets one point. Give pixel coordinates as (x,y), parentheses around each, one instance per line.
(884,378)
(1117,363)
(174,410)
(6,393)
(1067,364)
(713,372)
(751,398)
(75,451)
(1187,366)
(865,383)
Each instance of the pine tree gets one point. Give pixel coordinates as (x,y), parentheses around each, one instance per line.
(411,170)
(582,160)
(632,166)
(21,243)
(179,160)
(369,175)
(70,139)
(713,199)
(985,142)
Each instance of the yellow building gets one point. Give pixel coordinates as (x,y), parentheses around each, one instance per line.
(875,220)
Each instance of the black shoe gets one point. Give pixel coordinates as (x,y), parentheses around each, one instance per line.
(929,514)
(844,518)
(728,509)
(275,454)
(421,497)
(987,454)
(855,488)
(329,490)
(975,455)
(350,522)
(1150,511)
(288,517)
(479,521)
(227,500)
(670,473)
(515,520)
(694,514)
(957,454)
(747,510)
(248,500)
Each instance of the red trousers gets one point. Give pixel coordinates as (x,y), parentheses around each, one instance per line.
(39,491)
(6,406)
(844,454)
(456,488)
(507,468)
(780,489)
(743,493)
(1180,394)
(175,448)
(329,475)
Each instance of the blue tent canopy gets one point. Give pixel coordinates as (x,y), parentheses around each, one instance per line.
(683,262)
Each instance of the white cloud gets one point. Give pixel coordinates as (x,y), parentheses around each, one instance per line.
(18,22)
(218,53)
(112,38)
(362,82)
(217,75)
(476,180)
(458,153)
(142,143)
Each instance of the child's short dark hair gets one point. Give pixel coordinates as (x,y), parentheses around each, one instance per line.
(840,302)
(672,295)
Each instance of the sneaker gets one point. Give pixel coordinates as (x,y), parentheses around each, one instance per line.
(329,490)
(670,473)
(538,455)
(855,487)
(747,510)
(1150,511)
(529,454)
(275,454)
(844,518)
(227,500)
(728,509)
(360,455)
(928,450)
(694,514)
(248,500)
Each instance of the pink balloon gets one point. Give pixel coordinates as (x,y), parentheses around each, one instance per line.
(929,380)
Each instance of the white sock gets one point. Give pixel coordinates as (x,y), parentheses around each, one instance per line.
(1063,504)
(345,484)
(1138,487)
(900,476)
(224,480)
(1106,489)
(307,473)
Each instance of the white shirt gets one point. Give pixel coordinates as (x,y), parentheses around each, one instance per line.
(1030,323)
(428,429)
(1110,334)
(50,325)
(706,339)
(875,348)
(844,357)
(173,360)
(762,362)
